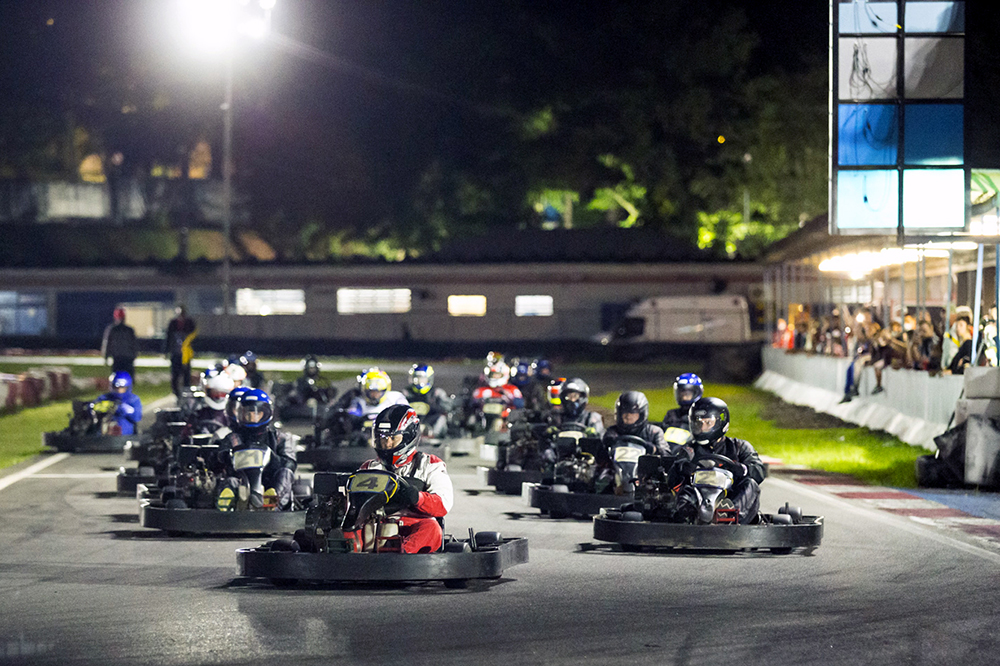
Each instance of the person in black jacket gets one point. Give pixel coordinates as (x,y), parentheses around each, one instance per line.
(119,344)
(177,348)
(632,418)
(709,419)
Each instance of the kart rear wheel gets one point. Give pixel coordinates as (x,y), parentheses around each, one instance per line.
(781,551)
(456,583)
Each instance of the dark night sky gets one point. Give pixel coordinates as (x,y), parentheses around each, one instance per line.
(402,80)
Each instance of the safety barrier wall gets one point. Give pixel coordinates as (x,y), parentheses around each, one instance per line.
(34,387)
(915,406)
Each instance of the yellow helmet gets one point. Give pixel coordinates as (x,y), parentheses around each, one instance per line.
(374,385)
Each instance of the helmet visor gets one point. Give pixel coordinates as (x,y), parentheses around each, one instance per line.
(253,413)
(630,418)
(703,422)
(387,441)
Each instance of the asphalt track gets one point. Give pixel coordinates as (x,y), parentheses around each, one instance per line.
(82,583)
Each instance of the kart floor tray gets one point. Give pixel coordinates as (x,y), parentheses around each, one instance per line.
(508,482)
(87,443)
(129,479)
(359,567)
(560,504)
(210,521)
(806,534)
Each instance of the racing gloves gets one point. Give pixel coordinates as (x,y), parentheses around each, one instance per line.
(407,493)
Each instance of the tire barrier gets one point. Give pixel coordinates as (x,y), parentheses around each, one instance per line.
(35,387)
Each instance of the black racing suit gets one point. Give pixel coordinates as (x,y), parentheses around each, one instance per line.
(280,470)
(676,420)
(745,492)
(591,421)
(652,434)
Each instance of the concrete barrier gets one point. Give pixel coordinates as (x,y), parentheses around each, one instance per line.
(915,407)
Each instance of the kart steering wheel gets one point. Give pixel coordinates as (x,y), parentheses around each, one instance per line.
(721,461)
(633,439)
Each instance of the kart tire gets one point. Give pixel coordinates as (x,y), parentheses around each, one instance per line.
(168,493)
(302,489)
(145,470)
(488,540)
(781,551)
(632,516)
(457,547)
(793,511)
(305,541)
(175,503)
(559,488)
(630,548)
(558,515)
(456,583)
(284,582)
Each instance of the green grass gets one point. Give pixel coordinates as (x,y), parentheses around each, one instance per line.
(873,457)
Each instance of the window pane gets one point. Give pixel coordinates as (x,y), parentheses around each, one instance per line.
(867,199)
(466,306)
(868,134)
(935,16)
(270,301)
(867,68)
(934,198)
(533,306)
(935,68)
(867,17)
(367,301)
(933,134)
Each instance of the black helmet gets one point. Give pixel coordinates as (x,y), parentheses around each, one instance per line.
(311,365)
(573,408)
(708,420)
(631,401)
(395,435)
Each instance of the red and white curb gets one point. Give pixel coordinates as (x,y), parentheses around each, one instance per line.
(901,503)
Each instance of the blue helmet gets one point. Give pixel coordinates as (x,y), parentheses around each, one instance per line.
(422,378)
(688,389)
(542,368)
(253,409)
(121,380)
(248,358)
(521,374)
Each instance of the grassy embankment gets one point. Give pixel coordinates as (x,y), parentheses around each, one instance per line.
(874,457)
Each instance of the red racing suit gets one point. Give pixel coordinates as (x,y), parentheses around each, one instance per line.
(418,524)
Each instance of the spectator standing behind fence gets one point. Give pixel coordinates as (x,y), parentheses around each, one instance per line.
(963,335)
(863,351)
(925,348)
(119,347)
(180,332)
(951,342)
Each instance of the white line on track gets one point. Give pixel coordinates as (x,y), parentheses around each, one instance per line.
(94,475)
(28,471)
(892,520)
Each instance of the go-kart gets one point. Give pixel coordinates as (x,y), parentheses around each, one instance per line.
(684,505)
(301,400)
(351,535)
(153,453)
(589,475)
(340,443)
(520,460)
(92,429)
(188,501)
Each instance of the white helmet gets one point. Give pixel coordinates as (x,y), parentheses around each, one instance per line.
(217,390)
(236,372)
(497,374)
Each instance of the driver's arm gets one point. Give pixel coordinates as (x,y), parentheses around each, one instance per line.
(749,457)
(657,439)
(438,497)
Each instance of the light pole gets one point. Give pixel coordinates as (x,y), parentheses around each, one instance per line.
(215,23)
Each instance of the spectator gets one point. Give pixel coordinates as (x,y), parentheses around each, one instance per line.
(925,347)
(963,335)
(180,332)
(118,347)
(862,357)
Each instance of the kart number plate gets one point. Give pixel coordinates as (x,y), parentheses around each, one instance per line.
(716,478)
(369,482)
(627,454)
(677,435)
(493,408)
(421,408)
(248,458)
